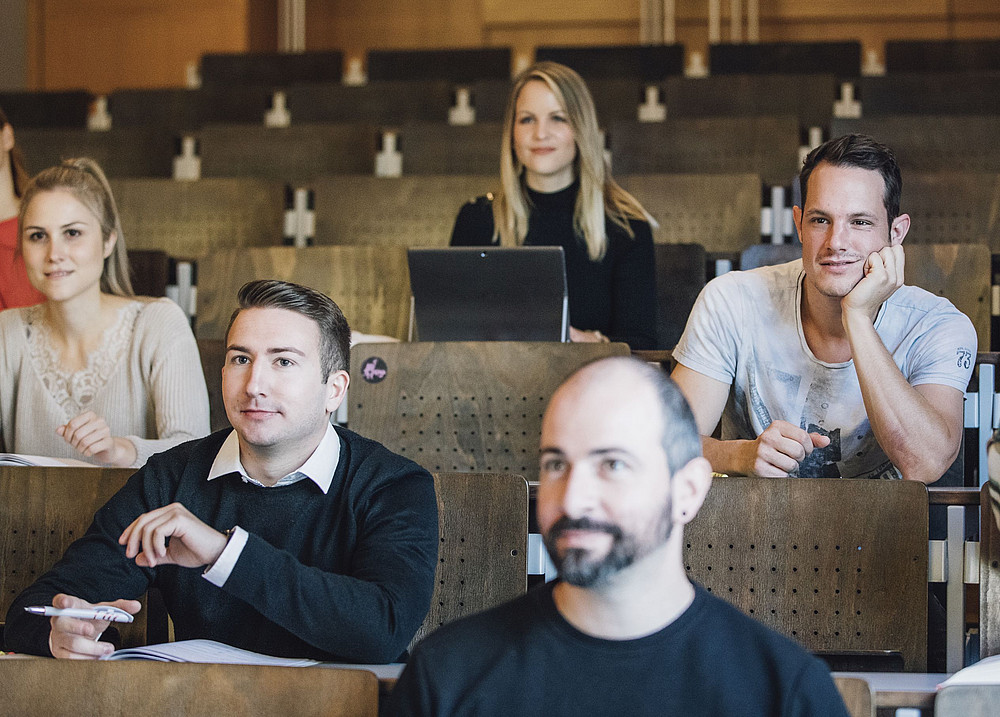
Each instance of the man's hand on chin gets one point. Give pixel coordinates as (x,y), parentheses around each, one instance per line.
(883,274)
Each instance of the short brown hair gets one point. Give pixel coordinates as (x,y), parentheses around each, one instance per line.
(334,332)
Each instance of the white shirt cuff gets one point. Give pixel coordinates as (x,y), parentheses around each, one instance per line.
(219,573)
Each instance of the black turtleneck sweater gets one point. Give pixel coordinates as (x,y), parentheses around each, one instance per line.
(616,295)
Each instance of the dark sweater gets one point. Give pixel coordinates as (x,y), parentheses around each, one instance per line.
(616,296)
(345,576)
(524,658)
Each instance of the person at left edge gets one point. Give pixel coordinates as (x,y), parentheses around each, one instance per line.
(15,289)
(284,536)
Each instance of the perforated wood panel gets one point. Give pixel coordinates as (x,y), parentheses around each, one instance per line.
(382,102)
(839,565)
(768,145)
(458,406)
(933,143)
(482,553)
(438,148)
(189,219)
(956,93)
(156,689)
(989,577)
(42,511)
(121,152)
(808,97)
(719,211)
(952,207)
(370,284)
(959,272)
(402,212)
(174,110)
(293,154)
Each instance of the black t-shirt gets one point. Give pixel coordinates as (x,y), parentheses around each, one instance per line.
(523,658)
(616,295)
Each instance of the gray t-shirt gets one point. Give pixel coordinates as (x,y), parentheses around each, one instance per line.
(746,330)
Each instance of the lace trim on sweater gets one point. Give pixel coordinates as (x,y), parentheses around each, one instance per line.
(75,391)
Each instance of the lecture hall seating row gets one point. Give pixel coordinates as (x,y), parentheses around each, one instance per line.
(842,582)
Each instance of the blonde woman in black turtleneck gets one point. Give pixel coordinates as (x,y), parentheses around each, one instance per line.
(557,191)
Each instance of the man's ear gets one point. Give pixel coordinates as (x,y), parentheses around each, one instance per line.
(689,487)
(797,219)
(897,232)
(336,390)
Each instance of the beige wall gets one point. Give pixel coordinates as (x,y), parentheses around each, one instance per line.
(103,44)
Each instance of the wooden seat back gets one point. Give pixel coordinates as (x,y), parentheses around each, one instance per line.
(838,565)
(371,284)
(462,406)
(175,689)
(42,511)
(482,553)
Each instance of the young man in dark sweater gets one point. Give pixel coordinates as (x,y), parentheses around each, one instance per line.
(623,631)
(285,536)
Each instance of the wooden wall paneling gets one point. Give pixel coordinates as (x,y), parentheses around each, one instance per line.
(354,26)
(134,43)
(371,284)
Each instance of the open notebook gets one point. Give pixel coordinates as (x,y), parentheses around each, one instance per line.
(207,651)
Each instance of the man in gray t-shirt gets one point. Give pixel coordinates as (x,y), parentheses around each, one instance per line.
(829,366)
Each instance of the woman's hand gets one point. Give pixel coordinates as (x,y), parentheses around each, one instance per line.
(89,434)
(587,337)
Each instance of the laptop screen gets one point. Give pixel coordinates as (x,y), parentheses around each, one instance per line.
(489,294)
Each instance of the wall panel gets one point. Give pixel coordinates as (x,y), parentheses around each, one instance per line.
(100,45)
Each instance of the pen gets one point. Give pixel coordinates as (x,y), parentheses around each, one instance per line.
(101,612)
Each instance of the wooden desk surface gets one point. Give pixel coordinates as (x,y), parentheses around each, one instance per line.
(901,689)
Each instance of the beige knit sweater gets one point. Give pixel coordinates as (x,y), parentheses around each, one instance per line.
(145,381)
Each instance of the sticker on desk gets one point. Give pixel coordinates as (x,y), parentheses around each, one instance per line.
(374,370)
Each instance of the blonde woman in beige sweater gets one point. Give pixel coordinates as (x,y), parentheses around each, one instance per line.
(94,372)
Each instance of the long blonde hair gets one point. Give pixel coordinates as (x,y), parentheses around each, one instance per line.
(84,179)
(599,196)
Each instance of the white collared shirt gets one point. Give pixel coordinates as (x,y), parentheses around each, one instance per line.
(319,468)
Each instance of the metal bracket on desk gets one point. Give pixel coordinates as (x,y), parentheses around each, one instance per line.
(937,561)
(987,414)
(955,590)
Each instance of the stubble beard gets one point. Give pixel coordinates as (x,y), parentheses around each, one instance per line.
(581,568)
